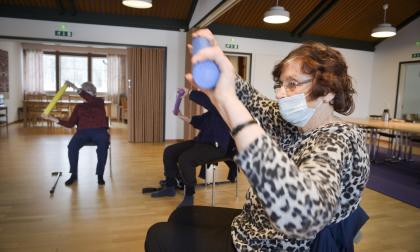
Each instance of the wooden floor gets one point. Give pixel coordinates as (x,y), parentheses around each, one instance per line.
(115,217)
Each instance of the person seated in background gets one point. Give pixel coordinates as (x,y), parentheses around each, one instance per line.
(212,142)
(92,126)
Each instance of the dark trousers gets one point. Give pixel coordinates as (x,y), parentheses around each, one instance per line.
(196,228)
(98,137)
(184,157)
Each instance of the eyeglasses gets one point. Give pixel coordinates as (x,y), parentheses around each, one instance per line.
(291,85)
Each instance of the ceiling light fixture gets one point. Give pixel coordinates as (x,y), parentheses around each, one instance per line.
(276,15)
(140,4)
(385,29)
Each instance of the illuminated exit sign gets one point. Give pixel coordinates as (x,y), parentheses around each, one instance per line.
(415,55)
(63,31)
(232,44)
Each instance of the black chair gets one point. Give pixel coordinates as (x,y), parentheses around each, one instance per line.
(376,137)
(211,166)
(392,142)
(334,237)
(413,140)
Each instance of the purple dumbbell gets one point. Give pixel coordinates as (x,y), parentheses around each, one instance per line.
(179,96)
(205,73)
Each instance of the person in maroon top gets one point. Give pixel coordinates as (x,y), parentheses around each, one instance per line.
(92,126)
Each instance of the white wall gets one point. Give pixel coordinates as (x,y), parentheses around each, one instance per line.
(388,54)
(15,97)
(173,41)
(266,53)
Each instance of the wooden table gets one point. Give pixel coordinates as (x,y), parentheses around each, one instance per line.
(392,125)
(403,129)
(71,103)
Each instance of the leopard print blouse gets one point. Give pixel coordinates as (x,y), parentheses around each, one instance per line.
(300,182)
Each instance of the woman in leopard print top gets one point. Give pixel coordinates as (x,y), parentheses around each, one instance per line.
(307,169)
(301,181)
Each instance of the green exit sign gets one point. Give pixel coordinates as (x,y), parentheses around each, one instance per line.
(415,55)
(63,33)
(232,44)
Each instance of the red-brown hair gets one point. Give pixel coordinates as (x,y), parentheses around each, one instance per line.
(329,72)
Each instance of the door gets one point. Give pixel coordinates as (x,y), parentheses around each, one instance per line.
(146,94)
(408,102)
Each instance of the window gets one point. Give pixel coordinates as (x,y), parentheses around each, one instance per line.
(99,73)
(77,68)
(49,72)
(74,69)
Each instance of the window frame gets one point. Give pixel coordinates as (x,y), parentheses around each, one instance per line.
(57,64)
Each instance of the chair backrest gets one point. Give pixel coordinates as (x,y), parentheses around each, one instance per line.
(35,96)
(375,117)
(75,97)
(123,101)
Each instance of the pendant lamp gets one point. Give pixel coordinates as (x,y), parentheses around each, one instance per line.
(276,15)
(140,4)
(385,29)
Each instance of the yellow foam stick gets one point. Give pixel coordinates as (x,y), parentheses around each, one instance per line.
(54,101)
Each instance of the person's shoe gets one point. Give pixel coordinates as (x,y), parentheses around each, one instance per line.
(167,191)
(101,180)
(71,180)
(187,201)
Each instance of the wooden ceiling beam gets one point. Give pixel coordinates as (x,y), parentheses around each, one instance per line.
(72,9)
(408,20)
(70,4)
(61,8)
(215,13)
(191,11)
(313,16)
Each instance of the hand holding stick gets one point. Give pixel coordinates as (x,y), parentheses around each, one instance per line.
(49,118)
(70,84)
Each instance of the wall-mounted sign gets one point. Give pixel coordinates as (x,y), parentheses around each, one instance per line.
(232,44)
(415,55)
(63,31)
(417,43)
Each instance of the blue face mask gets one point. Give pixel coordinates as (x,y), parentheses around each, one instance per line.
(294,110)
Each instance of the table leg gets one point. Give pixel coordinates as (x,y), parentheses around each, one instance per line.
(375,143)
(108,111)
(25,115)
